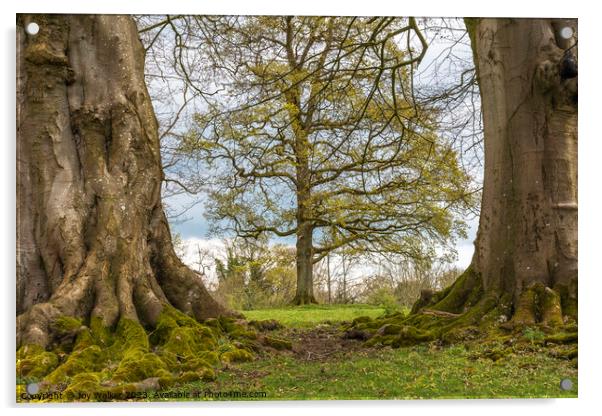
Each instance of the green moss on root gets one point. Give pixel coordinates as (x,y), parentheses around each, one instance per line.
(137,365)
(569,354)
(562,338)
(410,335)
(460,334)
(550,307)
(66,325)
(361,320)
(194,364)
(90,359)
(87,383)
(400,336)
(568,299)
(278,343)
(465,312)
(474,315)
(101,334)
(463,293)
(188,342)
(266,325)
(389,329)
(127,357)
(130,335)
(236,355)
(538,303)
(34,362)
(204,374)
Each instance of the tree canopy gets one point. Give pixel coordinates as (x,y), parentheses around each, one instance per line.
(313,120)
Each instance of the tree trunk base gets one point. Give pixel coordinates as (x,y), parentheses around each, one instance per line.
(304,299)
(465,312)
(137,292)
(111,363)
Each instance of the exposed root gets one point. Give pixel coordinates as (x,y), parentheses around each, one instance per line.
(537,304)
(278,343)
(91,335)
(73,297)
(266,325)
(121,282)
(109,362)
(465,312)
(304,299)
(182,286)
(441,314)
(458,297)
(96,263)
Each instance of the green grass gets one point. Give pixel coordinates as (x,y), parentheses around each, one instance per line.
(311,315)
(420,372)
(428,372)
(405,373)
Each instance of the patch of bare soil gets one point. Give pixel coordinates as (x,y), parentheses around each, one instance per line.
(321,343)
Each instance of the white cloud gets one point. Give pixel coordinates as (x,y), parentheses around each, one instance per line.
(200,253)
(465,252)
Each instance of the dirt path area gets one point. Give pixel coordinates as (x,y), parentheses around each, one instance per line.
(321,343)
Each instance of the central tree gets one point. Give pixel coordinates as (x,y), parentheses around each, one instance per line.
(314,133)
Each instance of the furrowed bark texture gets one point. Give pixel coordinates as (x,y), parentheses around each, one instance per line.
(528,225)
(525,261)
(526,247)
(92,237)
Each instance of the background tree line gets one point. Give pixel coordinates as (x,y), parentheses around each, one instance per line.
(253,274)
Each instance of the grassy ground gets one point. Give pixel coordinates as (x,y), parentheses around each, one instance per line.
(405,373)
(312,315)
(320,368)
(322,365)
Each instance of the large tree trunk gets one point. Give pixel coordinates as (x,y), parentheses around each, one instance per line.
(92,237)
(528,226)
(524,269)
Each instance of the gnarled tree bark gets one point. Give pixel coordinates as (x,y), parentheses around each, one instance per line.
(528,225)
(526,247)
(92,237)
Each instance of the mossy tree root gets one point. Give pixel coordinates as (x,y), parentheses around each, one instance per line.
(465,311)
(128,358)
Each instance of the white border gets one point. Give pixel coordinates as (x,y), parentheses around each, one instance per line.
(590,153)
